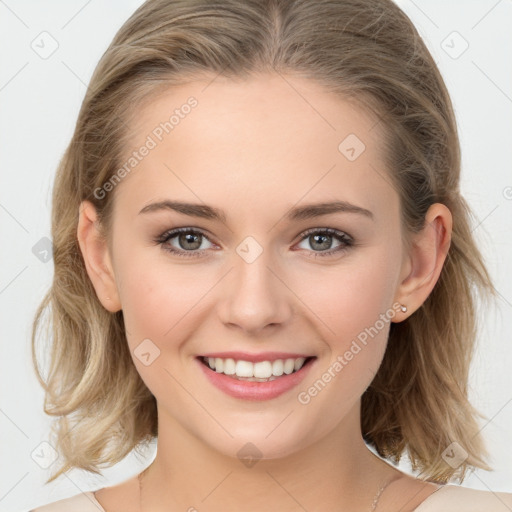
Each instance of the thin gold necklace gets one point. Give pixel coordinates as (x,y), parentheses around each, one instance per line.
(372,509)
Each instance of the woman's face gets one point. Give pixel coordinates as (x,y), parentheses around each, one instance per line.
(253,270)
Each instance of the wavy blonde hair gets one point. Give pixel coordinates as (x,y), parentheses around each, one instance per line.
(369,52)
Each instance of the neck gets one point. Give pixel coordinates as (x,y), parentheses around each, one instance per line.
(188,474)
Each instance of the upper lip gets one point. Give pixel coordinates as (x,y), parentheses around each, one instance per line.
(255,358)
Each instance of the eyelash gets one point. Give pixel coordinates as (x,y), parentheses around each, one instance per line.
(339,235)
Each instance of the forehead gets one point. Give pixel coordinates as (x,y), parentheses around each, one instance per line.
(271,140)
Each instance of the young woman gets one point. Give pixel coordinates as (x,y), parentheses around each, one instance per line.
(263,259)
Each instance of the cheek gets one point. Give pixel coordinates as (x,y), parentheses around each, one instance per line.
(157,297)
(161,304)
(353,304)
(354,345)
(350,297)
(162,300)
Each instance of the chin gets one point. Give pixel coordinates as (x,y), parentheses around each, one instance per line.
(257,444)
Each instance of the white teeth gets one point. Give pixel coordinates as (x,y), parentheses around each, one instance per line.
(229,366)
(264,370)
(244,369)
(277,367)
(298,363)
(289,365)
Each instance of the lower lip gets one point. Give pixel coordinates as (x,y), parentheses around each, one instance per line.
(248,390)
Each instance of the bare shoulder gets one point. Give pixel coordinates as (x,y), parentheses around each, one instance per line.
(455,498)
(83,502)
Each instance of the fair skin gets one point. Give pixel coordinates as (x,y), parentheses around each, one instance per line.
(256,149)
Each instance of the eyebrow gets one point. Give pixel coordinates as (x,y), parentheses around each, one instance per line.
(308,211)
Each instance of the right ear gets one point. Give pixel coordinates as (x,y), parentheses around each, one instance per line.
(98,264)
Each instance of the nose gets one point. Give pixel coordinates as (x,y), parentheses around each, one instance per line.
(255,296)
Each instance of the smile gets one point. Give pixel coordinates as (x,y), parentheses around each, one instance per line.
(262,371)
(255,380)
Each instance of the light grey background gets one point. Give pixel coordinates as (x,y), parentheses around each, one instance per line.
(40,95)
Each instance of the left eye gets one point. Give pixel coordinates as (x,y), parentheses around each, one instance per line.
(190,241)
(321,239)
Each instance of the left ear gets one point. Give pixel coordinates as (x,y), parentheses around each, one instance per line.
(424,263)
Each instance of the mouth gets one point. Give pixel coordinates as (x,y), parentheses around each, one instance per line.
(255,377)
(259,371)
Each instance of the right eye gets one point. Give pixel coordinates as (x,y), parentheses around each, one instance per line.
(189,241)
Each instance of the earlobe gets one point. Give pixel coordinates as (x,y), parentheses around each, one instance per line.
(425,261)
(96,257)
